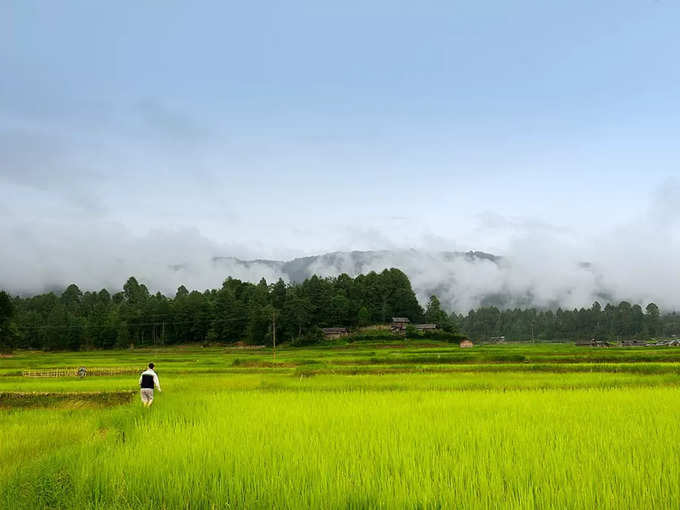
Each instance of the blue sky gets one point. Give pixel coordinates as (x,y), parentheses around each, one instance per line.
(277,129)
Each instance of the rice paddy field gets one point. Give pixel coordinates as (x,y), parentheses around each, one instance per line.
(358,426)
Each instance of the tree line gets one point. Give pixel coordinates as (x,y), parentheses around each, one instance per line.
(611,322)
(238,311)
(293,312)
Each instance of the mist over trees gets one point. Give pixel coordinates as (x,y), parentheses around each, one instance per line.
(242,311)
(238,311)
(611,322)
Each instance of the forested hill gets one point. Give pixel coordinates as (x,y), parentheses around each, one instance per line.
(461,280)
(241,311)
(455,277)
(238,311)
(355,262)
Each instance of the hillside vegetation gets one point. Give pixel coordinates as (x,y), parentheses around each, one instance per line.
(244,312)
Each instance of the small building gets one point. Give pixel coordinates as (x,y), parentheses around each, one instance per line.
(497,339)
(466,344)
(425,327)
(399,324)
(665,343)
(592,343)
(332,333)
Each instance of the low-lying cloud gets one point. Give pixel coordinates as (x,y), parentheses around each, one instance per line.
(636,261)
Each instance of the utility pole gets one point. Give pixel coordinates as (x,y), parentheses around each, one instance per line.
(274,331)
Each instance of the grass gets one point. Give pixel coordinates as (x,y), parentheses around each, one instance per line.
(350,427)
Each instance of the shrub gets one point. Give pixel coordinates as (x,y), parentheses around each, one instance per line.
(436,334)
(371,335)
(313,336)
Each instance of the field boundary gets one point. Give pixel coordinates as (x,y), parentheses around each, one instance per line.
(78,372)
(18,399)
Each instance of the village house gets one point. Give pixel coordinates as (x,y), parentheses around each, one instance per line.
(633,343)
(332,333)
(592,343)
(399,324)
(425,327)
(466,344)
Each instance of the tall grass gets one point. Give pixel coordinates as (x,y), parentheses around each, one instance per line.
(371,449)
(512,439)
(360,381)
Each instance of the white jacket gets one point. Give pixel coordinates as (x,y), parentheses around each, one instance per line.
(155,378)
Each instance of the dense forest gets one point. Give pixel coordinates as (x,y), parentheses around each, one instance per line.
(611,322)
(242,311)
(238,311)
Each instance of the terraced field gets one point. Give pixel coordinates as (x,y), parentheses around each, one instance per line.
(358,426)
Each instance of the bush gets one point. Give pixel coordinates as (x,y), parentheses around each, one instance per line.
(371,335)
(436,334)
(313,336)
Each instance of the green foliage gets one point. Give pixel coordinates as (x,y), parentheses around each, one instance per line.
(242,311)
(364,318)
(123,337)
(7,329)
(651,321)
(434,313)
(372,335)
(313,336)
(434,334)
(614,322)
(238,311)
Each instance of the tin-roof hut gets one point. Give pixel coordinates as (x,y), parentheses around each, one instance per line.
(425,327)
(332,333)
(399,324)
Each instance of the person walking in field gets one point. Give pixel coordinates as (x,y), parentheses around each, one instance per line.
(147,381)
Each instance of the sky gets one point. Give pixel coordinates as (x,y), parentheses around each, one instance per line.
(144,134)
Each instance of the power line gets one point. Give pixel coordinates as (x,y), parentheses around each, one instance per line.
(134,324)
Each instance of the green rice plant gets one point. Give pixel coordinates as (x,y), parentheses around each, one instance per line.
(313,431)
(537,449)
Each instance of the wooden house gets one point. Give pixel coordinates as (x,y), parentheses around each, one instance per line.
(593,343)
(633,343)
(425,327)
(331,333)
(399,324)
(466,344)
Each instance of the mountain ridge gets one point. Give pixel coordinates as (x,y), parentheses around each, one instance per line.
(298,268)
